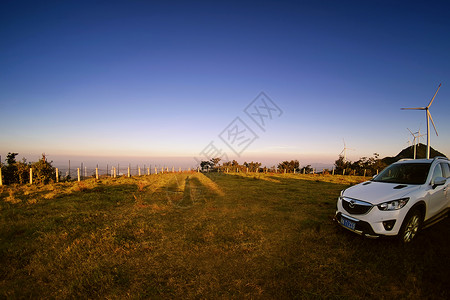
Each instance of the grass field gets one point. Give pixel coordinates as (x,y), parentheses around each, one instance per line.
(193,235)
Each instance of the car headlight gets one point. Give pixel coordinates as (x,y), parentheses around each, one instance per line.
(393,205)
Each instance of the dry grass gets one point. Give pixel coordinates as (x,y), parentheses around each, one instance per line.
(191,235)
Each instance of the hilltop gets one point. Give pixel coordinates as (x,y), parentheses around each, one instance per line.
(408,152)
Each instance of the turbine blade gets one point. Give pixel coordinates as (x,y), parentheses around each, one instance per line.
(410,131)
(421,108)
(428,112)
(432,99)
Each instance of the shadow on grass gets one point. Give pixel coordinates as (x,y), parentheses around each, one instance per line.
(317,248)
(242,237)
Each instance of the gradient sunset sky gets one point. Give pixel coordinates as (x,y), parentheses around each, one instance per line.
(165,78)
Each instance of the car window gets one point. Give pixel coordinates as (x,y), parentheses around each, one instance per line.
(404,173)
(437,172)
(445,169)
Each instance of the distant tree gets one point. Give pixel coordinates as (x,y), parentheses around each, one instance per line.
(23,171)
(365,165)
(340,165)
(252,166)
(225,166)
(11,158)
(235,166)
(15,172)
(306,169)
(9,171)
(289,166)
(215,163)
(206,165)
(43,171)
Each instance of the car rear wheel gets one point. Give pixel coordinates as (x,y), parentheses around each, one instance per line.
(411,226)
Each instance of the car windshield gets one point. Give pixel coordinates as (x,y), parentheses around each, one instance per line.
(406,173)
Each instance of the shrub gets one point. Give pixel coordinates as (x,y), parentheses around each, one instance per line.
(13,171)
(43,171)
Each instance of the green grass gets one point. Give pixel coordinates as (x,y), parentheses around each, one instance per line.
(193,235)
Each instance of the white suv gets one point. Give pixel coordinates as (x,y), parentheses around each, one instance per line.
(405,197)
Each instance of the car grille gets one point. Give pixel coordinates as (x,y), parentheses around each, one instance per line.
(356,207)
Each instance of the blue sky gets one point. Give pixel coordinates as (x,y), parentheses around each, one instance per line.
(164,79)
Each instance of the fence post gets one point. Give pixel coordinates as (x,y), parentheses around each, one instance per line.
(332,172)
(1,180)
(31,175)
(148,171)
(156,171)
(139,171)
(96,173)
(115,172)
(343,172)
(128,171)
(78,173)
(364,172)
(57,175)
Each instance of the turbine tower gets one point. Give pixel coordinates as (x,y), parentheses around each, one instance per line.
(345,151)
(416,137)
(427,111)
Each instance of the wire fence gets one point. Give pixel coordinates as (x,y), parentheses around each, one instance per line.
(83,172)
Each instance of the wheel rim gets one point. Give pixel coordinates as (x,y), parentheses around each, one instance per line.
(411,228)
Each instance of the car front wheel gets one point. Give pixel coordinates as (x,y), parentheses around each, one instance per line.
(411,226)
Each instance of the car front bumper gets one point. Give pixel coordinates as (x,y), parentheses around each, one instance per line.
(361,227)
(372,223)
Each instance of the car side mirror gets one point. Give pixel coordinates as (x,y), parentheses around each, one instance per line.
(438,181)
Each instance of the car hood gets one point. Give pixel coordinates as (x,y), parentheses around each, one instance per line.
(379,192)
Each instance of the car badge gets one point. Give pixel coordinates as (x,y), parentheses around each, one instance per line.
(351,204)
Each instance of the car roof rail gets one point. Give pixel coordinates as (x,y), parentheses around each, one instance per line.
(440,157)
(403,159)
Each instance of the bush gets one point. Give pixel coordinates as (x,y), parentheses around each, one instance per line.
(43,171)
(19,172)
(13,171)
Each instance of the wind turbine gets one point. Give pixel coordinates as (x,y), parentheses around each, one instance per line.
(345,151)
(428,120)
(416,136)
